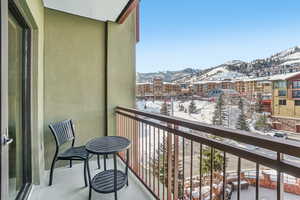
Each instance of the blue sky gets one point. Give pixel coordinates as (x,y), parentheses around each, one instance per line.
(176,34)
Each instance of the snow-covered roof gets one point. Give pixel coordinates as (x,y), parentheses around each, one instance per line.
(284,76)
(143,83)
(169,83)
(217,81)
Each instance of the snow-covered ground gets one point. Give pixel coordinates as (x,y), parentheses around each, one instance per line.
(205,109)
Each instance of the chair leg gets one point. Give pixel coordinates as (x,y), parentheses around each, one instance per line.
(84,172)
(51,171)
(104,157)
(90,193)
(116,195)
(70,163)
(98,160)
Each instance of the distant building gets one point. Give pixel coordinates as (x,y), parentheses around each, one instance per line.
(157,89)
(286,102)
(217,92)
(144,90)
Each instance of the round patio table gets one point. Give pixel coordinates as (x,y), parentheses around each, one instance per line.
(111,180)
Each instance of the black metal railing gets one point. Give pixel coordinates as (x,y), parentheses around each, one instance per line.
(181,159)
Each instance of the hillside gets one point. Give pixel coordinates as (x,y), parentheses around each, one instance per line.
(168,76)
(279,63)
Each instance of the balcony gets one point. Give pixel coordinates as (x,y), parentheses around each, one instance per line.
(173,158)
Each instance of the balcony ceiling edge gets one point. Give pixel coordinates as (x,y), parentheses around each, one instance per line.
(101,10)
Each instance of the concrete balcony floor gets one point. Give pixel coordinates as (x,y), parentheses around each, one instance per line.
(68,184)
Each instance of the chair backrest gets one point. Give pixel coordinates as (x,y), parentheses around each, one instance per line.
(62,131)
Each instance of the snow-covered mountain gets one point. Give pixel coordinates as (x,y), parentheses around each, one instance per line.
(228,70)
(168,76)
(279,63)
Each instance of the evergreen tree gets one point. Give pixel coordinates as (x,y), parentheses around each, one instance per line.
(242,123)
(262,124)
(192,107)
(164,110)
(218,160)
(220,114)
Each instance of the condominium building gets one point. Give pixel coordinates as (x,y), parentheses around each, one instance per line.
(144,89)
(157,89)
(286,102)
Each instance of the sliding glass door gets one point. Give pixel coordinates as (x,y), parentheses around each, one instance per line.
(15,104)
(15,65)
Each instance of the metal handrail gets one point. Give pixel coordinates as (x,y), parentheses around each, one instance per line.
(291,148)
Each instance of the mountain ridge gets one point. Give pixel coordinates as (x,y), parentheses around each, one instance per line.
(282,62)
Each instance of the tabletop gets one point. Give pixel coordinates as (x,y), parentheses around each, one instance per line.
(108,145)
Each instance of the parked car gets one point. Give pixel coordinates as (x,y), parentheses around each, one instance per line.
(280,135)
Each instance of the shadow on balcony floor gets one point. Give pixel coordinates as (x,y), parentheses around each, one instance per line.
(68,184)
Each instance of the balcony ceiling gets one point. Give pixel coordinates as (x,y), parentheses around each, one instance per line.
(102,10)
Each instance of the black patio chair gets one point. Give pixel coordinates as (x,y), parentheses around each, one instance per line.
(64,132)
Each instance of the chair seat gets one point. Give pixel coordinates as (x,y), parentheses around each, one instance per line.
(74,152)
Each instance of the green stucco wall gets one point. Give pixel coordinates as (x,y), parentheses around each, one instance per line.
(121,67)
(74,76)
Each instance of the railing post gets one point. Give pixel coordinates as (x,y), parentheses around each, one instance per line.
(176,148)
(135,138)
(280,181)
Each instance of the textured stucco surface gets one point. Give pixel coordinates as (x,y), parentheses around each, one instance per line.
(74,76)
(121,67)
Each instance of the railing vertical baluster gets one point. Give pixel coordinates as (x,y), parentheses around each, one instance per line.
(175,179)
(158,163)
(169,163)
(280,183)
(224,174)
(164,169)
(200,171)
(154,161)
(239,179)
(117,124)
(143,153)
(130,138)
(126,128)
(133,163)
(211,171)
(139,147)
(149,157)
(257,182)
(122,125)
(146,156)
(191,172)
(183,161)
(135,149)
